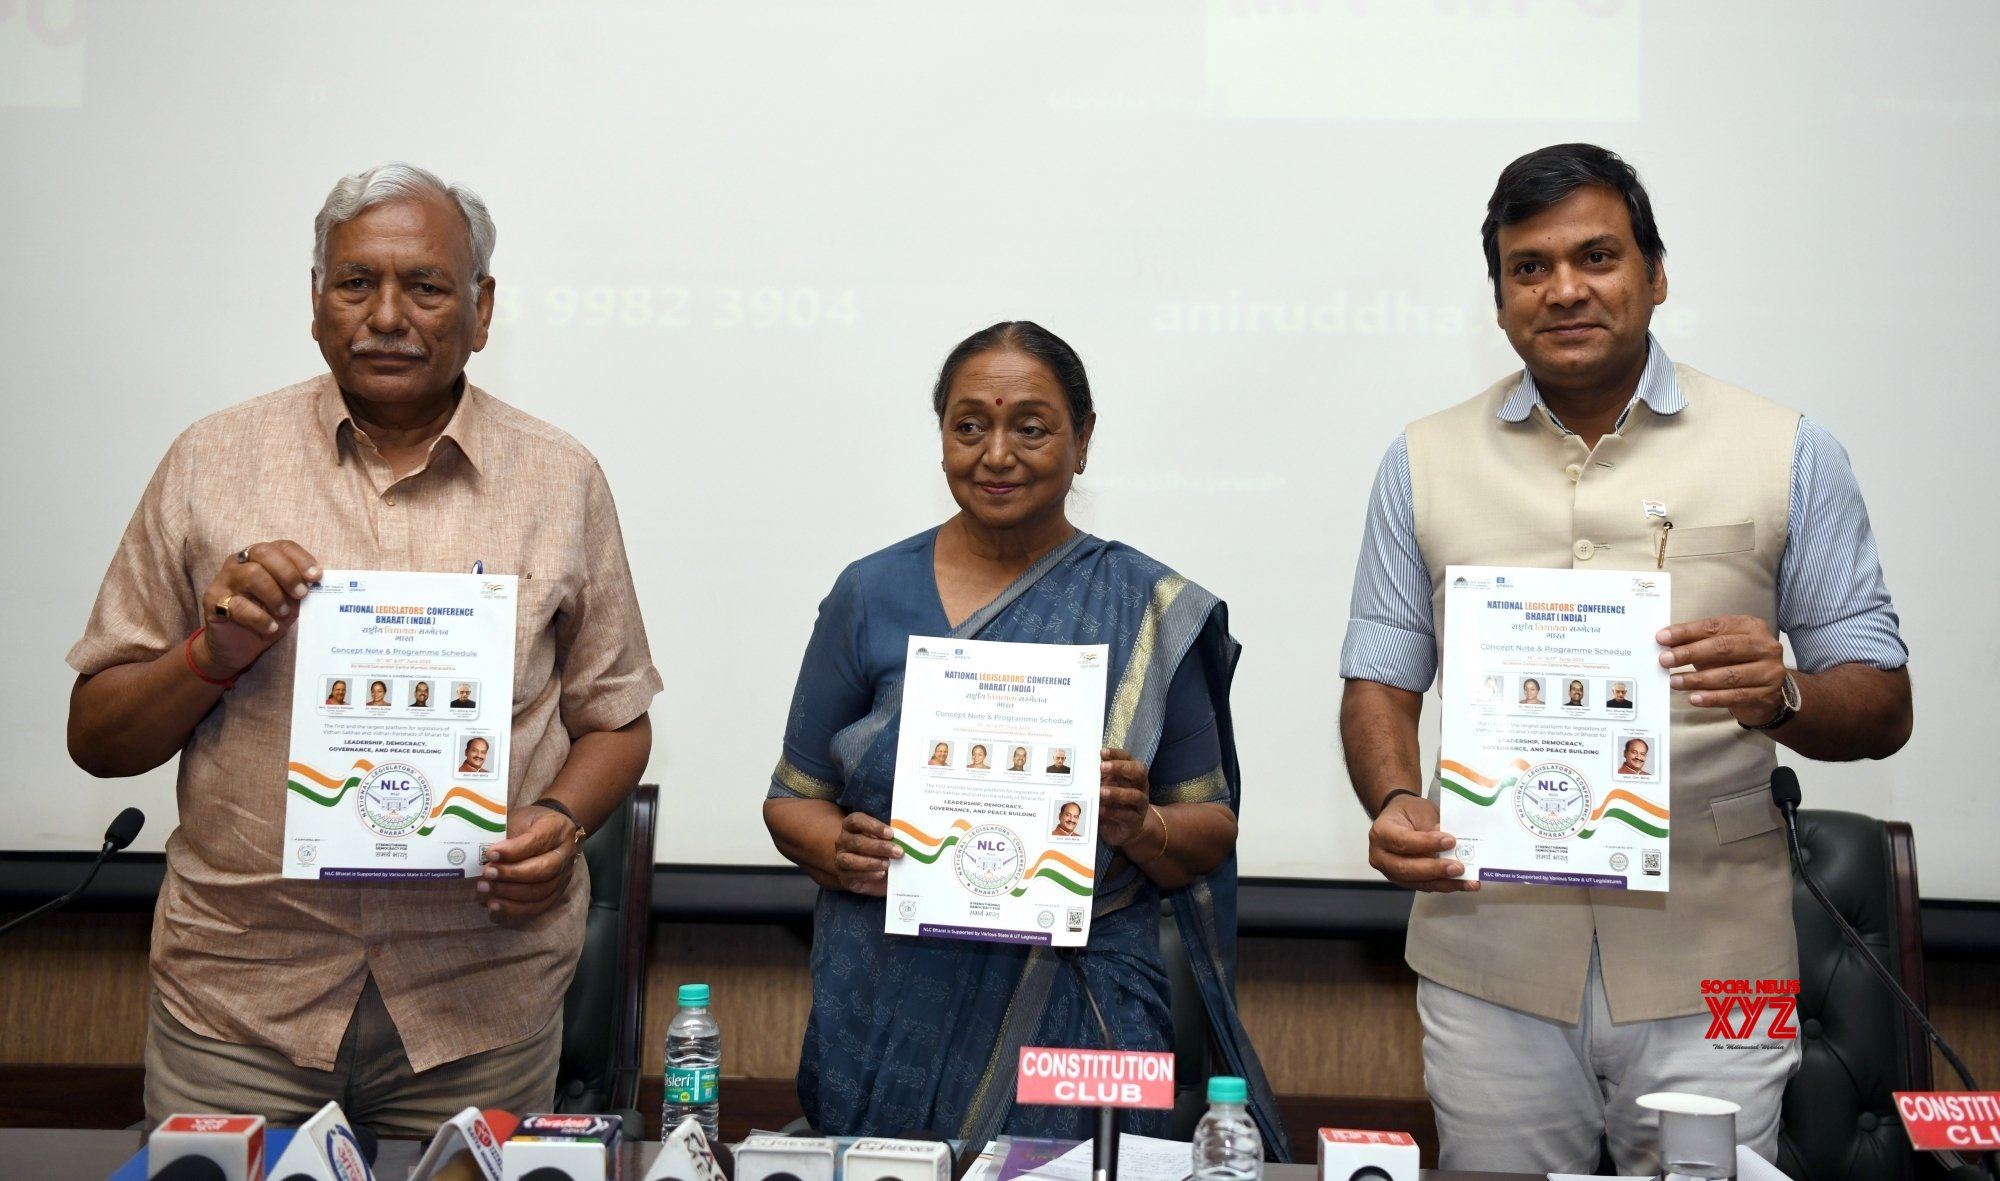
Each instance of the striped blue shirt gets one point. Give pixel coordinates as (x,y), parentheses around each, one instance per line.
(1832,602)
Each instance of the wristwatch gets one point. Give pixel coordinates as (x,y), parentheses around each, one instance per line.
(561,809)
(1789,703)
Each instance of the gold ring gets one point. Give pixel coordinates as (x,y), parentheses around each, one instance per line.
(222,608)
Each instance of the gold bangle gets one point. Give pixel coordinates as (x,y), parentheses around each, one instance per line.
(1166,834)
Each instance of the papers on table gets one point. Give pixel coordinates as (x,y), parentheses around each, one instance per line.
(1140,1158)
(402,708)
(995,801)
(1554,762)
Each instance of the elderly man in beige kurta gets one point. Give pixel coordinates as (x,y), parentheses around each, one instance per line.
(404,1001)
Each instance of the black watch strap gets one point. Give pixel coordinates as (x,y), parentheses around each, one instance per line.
(561,809)
(1393,793)
(1789,702)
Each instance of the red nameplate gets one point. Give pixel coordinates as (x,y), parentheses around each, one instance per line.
(1353,1136)
(1096,1078)
(235,1142)
(224,1125)
(1951,1121)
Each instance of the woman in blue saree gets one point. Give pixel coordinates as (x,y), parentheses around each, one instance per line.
(911,1033)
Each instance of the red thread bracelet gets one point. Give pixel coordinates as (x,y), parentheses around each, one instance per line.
(187,653)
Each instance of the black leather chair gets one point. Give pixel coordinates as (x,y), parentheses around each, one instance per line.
(1839,1121)
(604,1010)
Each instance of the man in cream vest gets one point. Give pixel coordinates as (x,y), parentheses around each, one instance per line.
(1546,1010)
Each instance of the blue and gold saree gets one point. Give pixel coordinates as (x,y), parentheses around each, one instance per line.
(910,1033)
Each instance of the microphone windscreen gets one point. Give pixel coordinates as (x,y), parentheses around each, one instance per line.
(1785,787)
(124,828)
(189,1168)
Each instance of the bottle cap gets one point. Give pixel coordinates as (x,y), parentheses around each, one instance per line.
(694,996)
(1222,1088)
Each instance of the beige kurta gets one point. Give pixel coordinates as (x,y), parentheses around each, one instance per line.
(245,956)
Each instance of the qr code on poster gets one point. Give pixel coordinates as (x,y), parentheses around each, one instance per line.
(1075,918)
(1649,862)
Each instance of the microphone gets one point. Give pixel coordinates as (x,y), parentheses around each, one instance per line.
(190,1168)
(1785,793)
(123,829)
(120,834)
(1104,1145)
(465,1148)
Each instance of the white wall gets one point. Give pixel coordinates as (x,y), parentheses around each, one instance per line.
(736,238)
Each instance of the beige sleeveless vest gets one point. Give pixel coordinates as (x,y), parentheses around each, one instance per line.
(1490,492)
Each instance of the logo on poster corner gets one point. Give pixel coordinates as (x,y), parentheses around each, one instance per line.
(1047,919)
(1086,660)
(306,853)
(988,860)
(1552,800)
(906,909)
(394,800)
(1619,861)
(456,856)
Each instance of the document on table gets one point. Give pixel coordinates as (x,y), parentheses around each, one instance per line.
(1554,762)
(1140,1158)
(402,708)
(995,799)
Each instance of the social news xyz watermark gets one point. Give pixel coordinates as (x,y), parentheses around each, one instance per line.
(1751,1014)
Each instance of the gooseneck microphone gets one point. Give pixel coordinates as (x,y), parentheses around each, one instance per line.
(1104,1145)
(1786,794)
(121,832)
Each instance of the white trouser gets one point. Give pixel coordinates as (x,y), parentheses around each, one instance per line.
(1524,1094)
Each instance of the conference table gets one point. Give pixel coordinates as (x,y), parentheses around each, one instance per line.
(50,1154)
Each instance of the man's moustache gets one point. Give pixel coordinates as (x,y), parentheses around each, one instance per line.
(399,348)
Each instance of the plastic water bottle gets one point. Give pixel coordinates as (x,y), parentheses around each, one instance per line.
(694,1066)
(1227,1146)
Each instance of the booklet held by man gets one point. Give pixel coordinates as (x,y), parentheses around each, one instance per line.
(402,710)
(1554,763)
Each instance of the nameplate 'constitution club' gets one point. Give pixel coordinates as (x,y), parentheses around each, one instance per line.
(1951,1121)
(1095,1078)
